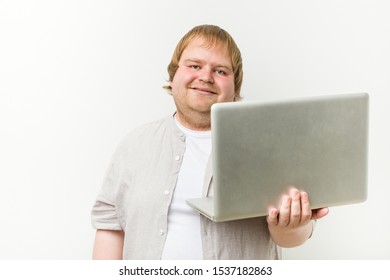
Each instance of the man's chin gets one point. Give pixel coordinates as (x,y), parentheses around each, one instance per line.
(203,109)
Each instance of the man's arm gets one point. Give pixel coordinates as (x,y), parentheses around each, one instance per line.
(108,245)
(292,225)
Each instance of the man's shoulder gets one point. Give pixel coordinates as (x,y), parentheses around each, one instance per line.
(144,137)
(149,130)
(153,126)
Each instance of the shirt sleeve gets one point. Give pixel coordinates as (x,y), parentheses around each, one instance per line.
(104,213)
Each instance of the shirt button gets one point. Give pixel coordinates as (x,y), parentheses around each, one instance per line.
(166,192)
(161,232)
(177,157)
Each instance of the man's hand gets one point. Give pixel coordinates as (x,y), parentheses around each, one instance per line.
(290,225)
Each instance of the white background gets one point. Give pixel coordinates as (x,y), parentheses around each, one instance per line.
(76,76)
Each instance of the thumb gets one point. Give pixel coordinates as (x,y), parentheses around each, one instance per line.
(319,213)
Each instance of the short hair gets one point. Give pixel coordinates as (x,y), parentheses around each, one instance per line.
(212,34)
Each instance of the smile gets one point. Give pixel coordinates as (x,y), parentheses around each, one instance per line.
(205,91)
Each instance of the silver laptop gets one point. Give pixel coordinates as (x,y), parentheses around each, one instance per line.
(318,144)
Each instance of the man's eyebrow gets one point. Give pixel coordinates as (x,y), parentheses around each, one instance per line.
(195,60)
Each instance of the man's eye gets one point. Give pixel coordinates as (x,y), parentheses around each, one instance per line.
(196,67)
(220,72)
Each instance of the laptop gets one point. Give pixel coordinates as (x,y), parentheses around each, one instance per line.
(318,144)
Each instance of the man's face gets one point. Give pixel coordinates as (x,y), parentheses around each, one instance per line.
(204,77)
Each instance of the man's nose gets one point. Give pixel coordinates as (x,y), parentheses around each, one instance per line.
(206,75)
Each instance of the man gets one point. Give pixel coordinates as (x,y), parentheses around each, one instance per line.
(140,212)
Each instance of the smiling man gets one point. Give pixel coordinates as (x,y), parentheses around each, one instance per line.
(141,213)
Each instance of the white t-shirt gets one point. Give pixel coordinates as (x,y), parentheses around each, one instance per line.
(183,237)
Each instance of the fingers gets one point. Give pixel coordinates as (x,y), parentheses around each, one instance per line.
(306,209)
(285,211)
(272,218)
(294,210)
(320,213)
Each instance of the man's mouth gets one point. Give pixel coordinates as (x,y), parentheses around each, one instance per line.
(204,90)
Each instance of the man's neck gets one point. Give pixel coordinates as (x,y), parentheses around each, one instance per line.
(195,121)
